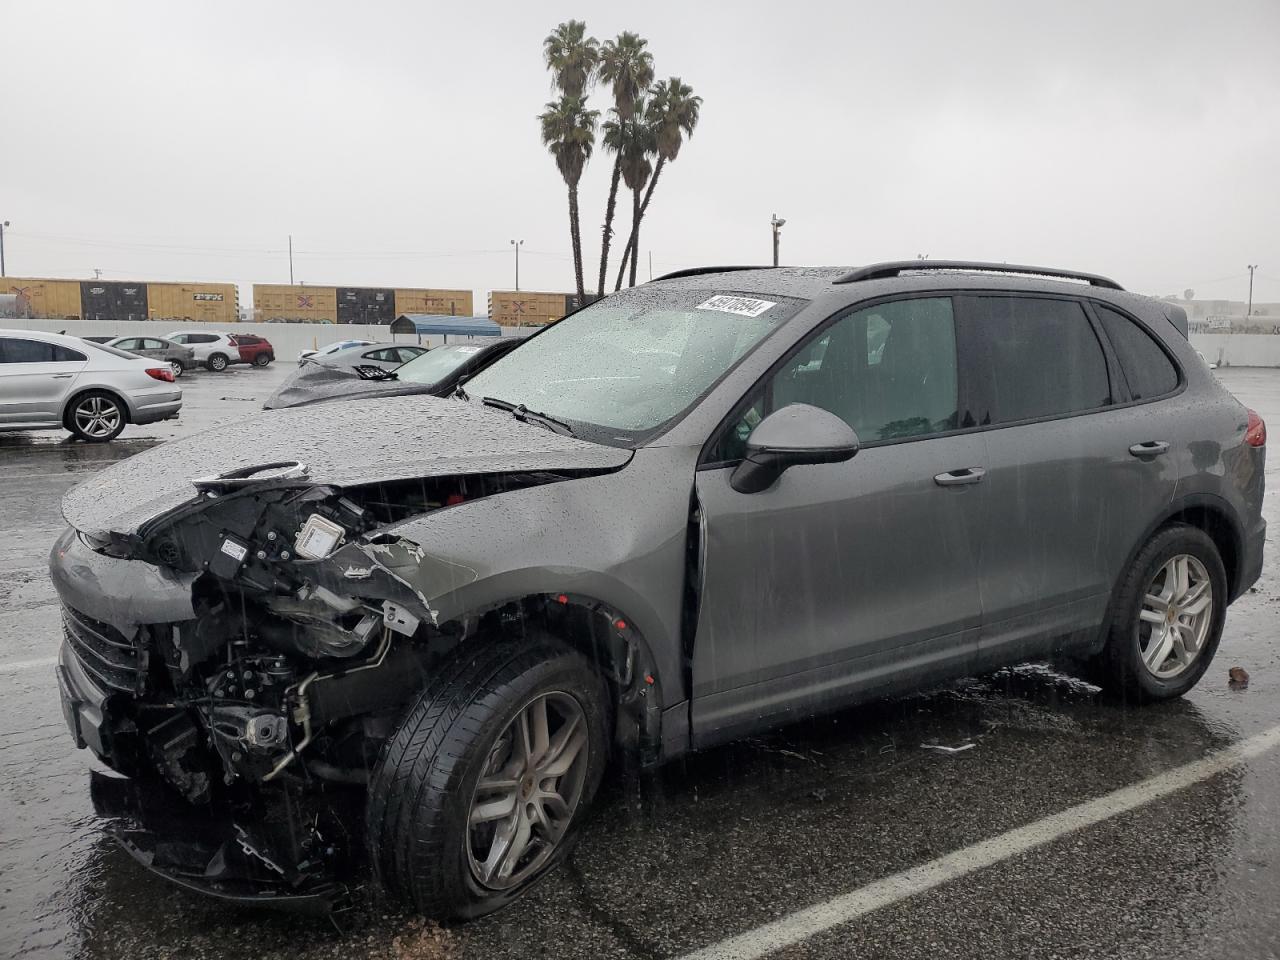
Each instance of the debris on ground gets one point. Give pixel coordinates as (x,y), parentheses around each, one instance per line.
(1238,678)
(424,940)
(943,748)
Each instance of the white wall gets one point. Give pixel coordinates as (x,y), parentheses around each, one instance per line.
(289,339)
(1239,349)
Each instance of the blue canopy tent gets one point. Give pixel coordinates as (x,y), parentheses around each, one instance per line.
(442,325)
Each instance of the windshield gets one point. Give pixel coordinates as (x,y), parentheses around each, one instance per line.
(634,361)
(434,365)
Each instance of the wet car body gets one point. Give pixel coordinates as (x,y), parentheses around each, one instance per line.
(212,645)
(319,381)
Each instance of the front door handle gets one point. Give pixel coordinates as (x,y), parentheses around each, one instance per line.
(62,376)
(1151,448)
(954,478)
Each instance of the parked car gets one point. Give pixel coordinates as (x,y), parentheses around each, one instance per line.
(383,356)
(689,512)
(433,373)
(53,382)
(253,349)
(329,348)
(179,358)
(216,351)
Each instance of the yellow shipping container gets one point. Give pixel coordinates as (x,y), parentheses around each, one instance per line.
(525,308)
(215,303)
(282,301)
(454,302)
(55,299)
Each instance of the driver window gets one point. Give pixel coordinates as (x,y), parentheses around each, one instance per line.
(889,371)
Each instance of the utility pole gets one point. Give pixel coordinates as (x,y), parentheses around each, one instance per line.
(1249,312)
(516,244)
(291,259)
(777,225)
(2,226)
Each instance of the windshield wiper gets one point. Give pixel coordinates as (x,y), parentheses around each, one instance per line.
(458,390)
(524,414)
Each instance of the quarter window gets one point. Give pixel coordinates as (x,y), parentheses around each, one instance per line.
(1147,369)
(889,371)
(1033,358)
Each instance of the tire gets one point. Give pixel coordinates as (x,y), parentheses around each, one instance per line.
(424,788)
(261,360)
(217,362)
(96,416)
(178,368)
(1121,667)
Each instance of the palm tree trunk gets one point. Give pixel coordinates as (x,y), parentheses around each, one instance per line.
(608,222)
(635,234)
(644,206)
(576,237)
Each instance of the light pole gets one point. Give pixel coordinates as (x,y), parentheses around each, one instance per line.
(516,244)
(1249,311)
(2,226)
(777,223)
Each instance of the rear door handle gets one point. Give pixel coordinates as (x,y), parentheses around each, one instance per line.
(954,478)
(62,376)
(1151,448)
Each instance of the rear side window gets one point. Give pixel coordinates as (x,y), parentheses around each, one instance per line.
(1033,358)
(14,350)
(1147,369)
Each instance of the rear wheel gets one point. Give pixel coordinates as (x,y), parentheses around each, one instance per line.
(1167,617)
(479,792)
(261,360)
(217,362)
(96,416)
(178,368)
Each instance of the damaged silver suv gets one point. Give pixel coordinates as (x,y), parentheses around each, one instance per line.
(706,506)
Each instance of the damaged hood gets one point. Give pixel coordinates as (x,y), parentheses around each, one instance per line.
(356,442)
(317,382)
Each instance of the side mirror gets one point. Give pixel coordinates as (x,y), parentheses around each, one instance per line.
(796,434)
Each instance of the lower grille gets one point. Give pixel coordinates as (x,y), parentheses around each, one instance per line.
(104,652)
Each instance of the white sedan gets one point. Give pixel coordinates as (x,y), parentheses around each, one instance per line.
(329,348)
(51,382)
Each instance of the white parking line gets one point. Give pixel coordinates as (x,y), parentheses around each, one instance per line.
(17,666)
(857,903)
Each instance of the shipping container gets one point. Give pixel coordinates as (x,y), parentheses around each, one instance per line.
(211,303)
(525,308)
(52,299)
(371,305)
(293,303)
(456,303)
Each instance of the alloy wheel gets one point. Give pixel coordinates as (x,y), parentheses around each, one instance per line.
(528,791)
(177,368)
(97,416)
(1176,615)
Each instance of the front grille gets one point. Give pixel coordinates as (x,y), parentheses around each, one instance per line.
(106,654)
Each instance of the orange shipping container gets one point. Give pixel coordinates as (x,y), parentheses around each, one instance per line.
(525,308)
(457,303)
(282,301)
(55,299)
(214,303)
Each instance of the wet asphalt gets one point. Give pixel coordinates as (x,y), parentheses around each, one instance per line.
(725,841)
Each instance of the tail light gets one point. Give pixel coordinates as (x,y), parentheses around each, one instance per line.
(1255,434)
(160,373)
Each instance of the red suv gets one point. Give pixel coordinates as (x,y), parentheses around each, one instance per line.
(254,349)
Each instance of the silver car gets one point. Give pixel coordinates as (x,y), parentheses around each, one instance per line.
(51,382)
(179,358)
(384,356)
(692,511)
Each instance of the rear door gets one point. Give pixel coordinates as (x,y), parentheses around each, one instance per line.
(843,579)
(1066,499)
(35,378)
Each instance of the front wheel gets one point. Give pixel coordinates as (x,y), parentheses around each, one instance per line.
(216,362)
(1166,618)
(480,791)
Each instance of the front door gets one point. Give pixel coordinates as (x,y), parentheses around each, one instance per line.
(35,376)
(843,580)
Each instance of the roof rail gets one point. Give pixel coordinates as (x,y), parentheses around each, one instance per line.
(895,268)
(700,271)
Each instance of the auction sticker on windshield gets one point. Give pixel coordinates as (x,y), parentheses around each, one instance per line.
(743,306)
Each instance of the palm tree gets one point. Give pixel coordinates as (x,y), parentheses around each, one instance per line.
(569,132)
(637,146)
(627,66)
(572,57)
(672,115)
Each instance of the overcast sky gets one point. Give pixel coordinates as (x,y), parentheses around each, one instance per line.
(398,143)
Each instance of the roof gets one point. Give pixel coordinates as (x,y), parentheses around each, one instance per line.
(444,324)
